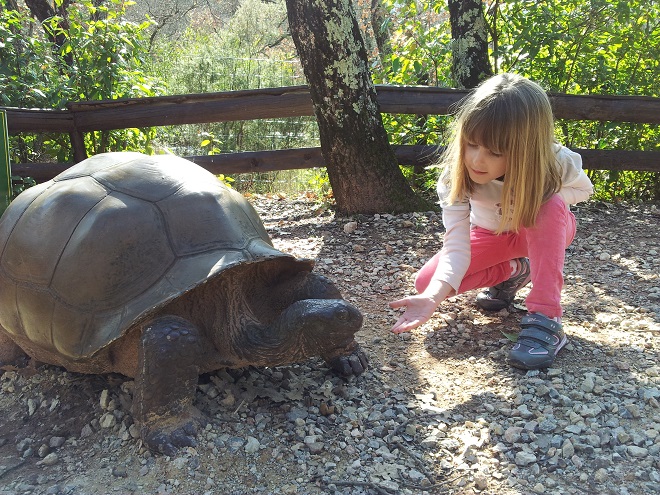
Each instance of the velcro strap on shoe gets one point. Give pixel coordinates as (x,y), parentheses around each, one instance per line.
(536,320)
(540,335)
(540,328)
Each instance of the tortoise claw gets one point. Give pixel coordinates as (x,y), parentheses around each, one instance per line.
(355,363)
(169,442)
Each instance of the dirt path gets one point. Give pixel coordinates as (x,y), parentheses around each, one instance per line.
(438,412)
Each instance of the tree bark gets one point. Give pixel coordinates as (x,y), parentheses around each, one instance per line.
(42,11)
(469,32)
(11,5)
(381,29)
(362,168)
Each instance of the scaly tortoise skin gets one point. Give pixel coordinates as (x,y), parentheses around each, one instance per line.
(150,267)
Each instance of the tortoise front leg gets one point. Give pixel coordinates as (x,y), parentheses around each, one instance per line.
(170,354)
(351,361)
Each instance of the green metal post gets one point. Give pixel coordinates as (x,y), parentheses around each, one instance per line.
(5,167)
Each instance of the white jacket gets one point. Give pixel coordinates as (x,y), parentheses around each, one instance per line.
(483,209)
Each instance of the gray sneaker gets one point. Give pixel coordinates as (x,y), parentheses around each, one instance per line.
(538,343)
(500,296)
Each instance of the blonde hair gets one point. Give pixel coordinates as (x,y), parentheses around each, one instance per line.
(509,115)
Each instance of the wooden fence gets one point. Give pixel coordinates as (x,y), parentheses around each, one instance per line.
(295,101)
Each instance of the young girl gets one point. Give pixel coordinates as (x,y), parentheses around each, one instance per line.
(504,192)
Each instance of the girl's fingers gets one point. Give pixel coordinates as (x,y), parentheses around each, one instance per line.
(399,303)
(403,324)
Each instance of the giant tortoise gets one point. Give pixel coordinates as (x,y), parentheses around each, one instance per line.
(151,267)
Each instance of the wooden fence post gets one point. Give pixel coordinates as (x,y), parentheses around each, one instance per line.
(5,167)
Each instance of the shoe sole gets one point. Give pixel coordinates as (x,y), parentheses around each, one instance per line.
(492,304)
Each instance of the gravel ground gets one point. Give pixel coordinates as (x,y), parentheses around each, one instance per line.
(438,412)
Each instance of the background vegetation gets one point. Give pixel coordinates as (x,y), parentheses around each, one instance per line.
(116,49)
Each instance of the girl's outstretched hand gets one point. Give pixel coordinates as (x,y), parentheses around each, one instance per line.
(419,310)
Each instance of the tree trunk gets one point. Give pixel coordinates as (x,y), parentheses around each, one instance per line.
(469,32)
(362,168)
(381,30)
(42,11)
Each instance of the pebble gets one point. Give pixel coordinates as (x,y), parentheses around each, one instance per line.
(350,227)
(108,420)
(252,445)
(525,458)
(49,460)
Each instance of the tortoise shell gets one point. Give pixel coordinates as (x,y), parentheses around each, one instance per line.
(111,240)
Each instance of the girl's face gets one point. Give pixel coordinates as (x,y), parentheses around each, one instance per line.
(483,165)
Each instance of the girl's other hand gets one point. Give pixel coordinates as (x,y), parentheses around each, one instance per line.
(418,310)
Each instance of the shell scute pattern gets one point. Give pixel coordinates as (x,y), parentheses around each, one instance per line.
(113,239)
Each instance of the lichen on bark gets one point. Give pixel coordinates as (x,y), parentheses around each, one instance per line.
(362,167)
(470,64)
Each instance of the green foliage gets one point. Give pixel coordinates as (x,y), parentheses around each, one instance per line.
(594,47)
(578,46)
(225,179)
(424,181)
(625,185)
(419,53)
(320,182)
(240,56)
(100,57)
(20,184)
(420,41)
(28,71)
(574,46)
(568,46)
(208,143)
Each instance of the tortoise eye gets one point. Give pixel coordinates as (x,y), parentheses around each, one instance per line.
(343,314)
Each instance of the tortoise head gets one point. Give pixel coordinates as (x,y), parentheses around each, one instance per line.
(307,328)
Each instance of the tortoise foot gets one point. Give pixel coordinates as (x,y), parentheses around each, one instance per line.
(354,363)
(168,440)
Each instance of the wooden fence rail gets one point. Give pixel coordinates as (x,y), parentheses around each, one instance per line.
(295,101)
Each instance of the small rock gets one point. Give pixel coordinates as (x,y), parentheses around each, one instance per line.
(50,460)
(32,406)
(512,434)
(108,420)
(430,441)
(86,431)
(350,227)
(119,472)
(524,411)
(634,410)
(481,481)
(104,399)
(252,445)
(539,488)
(588,384)
(601,475)
(56,442)
(525,458)
(315,447)
(638,452)
(228,401)
(134,431)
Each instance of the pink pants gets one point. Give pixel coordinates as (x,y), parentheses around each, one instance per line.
(544,245)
